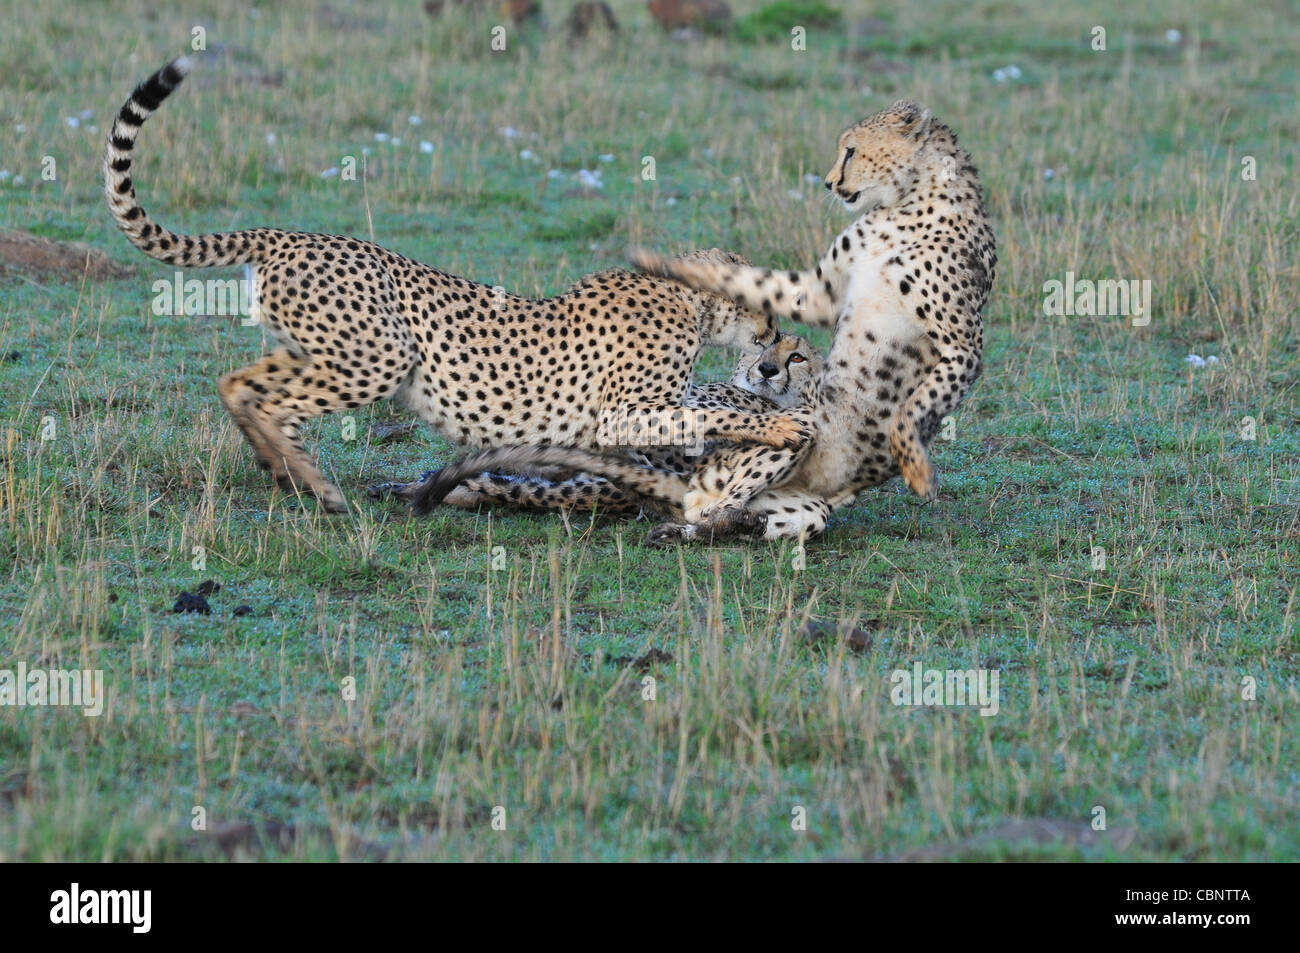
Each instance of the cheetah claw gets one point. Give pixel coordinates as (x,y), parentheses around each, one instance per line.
(666,534)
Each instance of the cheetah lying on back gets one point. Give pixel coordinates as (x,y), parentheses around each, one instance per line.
(356,323)
(787,375)
(537,487)
(904,287)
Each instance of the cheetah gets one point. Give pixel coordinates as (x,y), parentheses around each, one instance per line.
(787,375)
(903,287)
(536,487)
(355,323)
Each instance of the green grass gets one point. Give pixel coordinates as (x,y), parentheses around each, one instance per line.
(479,688)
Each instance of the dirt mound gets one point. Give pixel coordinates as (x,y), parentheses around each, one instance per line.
(30,254)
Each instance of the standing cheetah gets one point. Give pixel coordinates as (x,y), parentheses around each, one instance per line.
(356,323)
(787,375)
(904,287)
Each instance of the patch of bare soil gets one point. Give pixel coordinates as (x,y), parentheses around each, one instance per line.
(33,255)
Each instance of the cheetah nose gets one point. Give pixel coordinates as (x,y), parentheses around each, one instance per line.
(768,370)
(828,185)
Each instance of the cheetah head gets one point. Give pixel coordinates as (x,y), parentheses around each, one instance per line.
(787,372)
(729,324)
(877,159)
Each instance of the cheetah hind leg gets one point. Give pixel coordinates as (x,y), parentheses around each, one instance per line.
(919,416)
(913,459)
(772,515)
(528,492)
(730,523)
(540,494)
(240,392)
(470,494)
(269,400)
(730,478)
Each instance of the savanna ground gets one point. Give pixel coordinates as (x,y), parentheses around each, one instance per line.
(1161,687)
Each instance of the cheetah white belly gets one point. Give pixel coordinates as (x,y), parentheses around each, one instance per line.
(879,356)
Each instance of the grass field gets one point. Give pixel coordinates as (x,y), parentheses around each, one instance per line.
(500,661)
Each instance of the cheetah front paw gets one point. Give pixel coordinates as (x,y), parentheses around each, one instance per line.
(332,500)
(721,521)
(666,534)
(329,497)
(787,433)
(696,503)
(920,478)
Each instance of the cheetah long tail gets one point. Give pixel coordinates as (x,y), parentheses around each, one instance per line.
(220,248)
(625,474)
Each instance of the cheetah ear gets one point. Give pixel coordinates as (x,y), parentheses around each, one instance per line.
(911,119)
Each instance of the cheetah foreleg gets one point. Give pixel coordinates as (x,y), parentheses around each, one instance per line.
(736,475)
(583,494)
(635,426)
(810,297)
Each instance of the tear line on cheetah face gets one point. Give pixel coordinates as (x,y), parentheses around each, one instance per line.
(875,163)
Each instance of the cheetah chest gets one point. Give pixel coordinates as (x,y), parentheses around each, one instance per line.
(879,356)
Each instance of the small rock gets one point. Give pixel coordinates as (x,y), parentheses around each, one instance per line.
(188,602)
(207,587)
(814,631)
(642,663)
(243,611)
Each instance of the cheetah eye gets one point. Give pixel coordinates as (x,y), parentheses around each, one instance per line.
(797,358)
(848,154)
